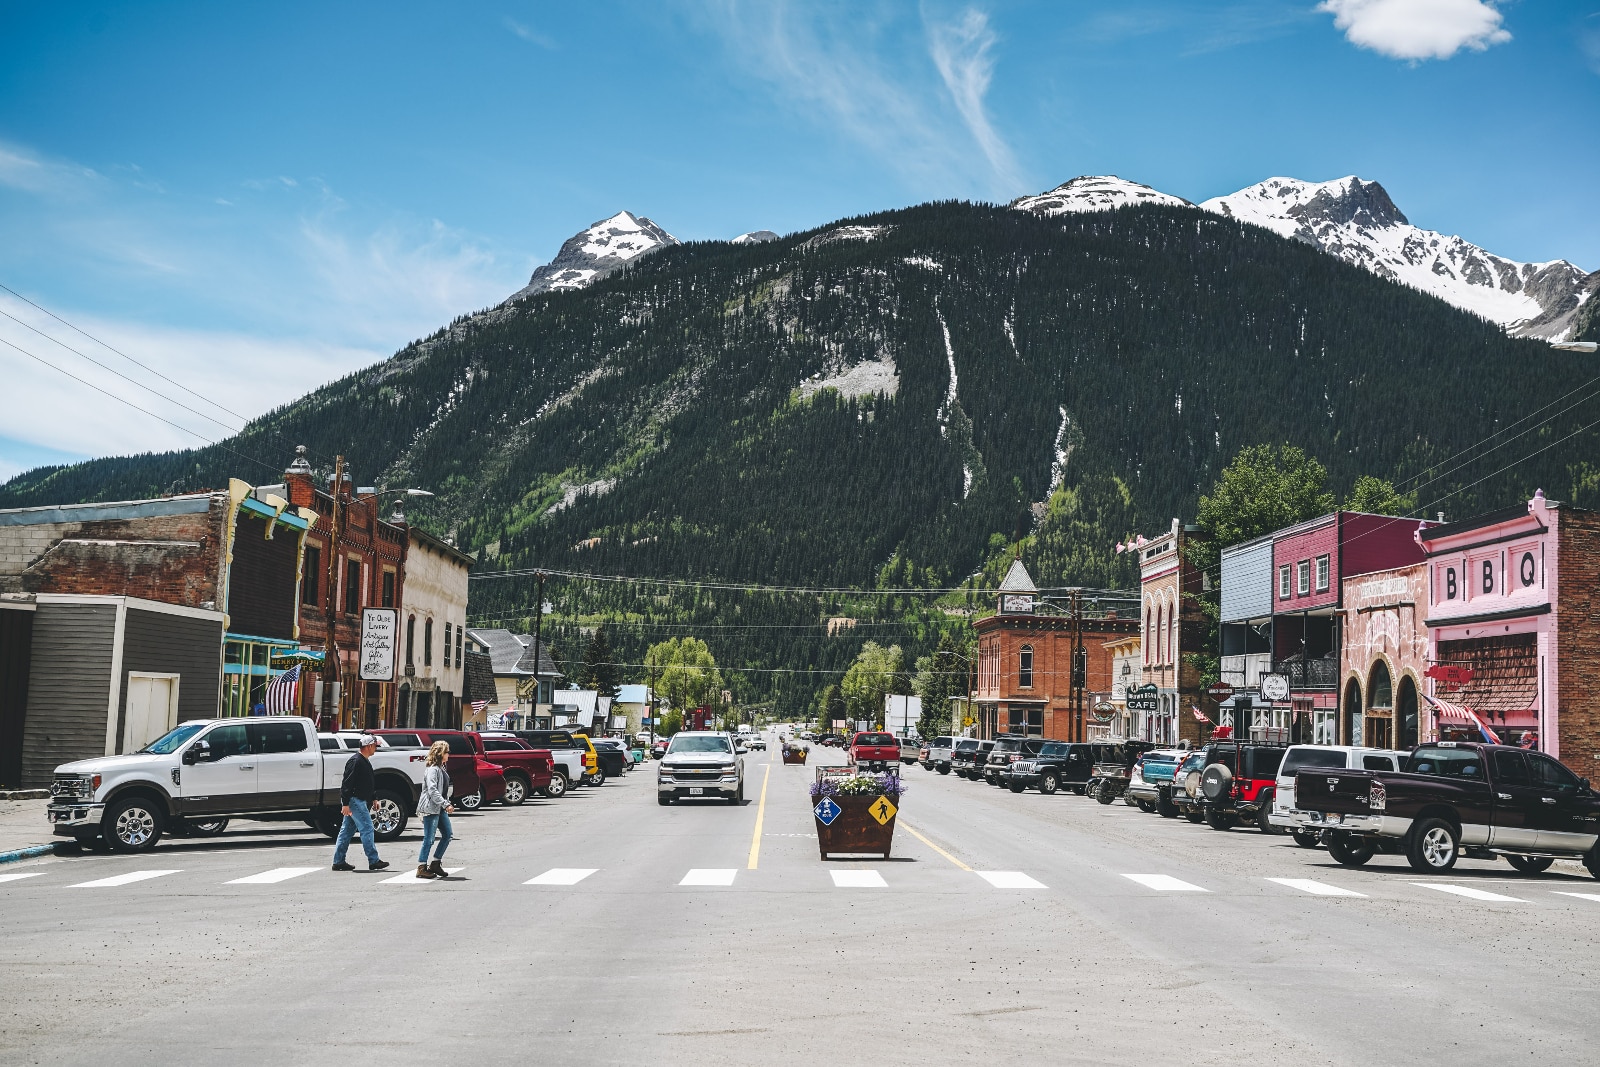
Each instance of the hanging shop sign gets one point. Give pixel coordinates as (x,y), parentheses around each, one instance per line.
(1274,687)
(1143,698)
(379,627)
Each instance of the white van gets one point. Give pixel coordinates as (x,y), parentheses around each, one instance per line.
(1312,757)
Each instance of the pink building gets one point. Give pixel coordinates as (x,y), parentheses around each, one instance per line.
(1512,599)
(1384,662)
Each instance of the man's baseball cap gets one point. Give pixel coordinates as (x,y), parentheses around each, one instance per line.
(368,739)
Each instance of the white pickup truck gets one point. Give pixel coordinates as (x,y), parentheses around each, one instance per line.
(205,771)
(1320,757)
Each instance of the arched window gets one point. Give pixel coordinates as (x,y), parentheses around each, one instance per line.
(427,643)
(1149,636)
(1380,692)
(411,640)
(1025,667)
(1172,638)
(1161,634)
(1350,726)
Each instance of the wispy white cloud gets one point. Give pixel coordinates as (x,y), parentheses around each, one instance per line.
(864,71)
(962,50)
(1418,29)
(529,34)
(1589,41)
(26,171)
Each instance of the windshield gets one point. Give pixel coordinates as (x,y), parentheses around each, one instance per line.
(172,740)
(699,743)
(1194,762)
(1300,758)
(1053,748)
(1006,744)
(876,739)
(967,745)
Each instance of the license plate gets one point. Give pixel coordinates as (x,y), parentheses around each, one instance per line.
(1333,818)
(697,791)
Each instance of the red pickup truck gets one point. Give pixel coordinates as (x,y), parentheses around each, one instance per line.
(528,769)
(474,780)
(875,752)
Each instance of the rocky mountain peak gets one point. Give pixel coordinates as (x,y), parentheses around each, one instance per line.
(597,251)
(1094,192)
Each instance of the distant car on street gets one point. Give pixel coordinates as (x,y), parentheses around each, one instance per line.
(968,757)
(875,751)
(700,764)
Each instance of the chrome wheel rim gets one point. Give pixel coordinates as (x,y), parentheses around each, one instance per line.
(1437,848)
(558,785)
(135,826)
(471,803)
(385,815)
(514,792)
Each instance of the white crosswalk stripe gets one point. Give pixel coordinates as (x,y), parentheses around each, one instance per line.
(562,876)
(410,877)
(709,876)
(1165,883)
(121,879)
(1580,896)
(274,876)
(858,880)
(1010,880)
(1469,892)
(19,875)
(1321,889)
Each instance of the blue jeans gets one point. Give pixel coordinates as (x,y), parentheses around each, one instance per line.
(430,823)
(358,821)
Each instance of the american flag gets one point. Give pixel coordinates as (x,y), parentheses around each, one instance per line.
(478,706)
(283,692)
(1199,715)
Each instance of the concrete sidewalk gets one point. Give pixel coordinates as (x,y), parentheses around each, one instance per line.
(23,824)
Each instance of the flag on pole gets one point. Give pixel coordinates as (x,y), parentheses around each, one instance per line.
(283,693)
(1199,715)
(478,706)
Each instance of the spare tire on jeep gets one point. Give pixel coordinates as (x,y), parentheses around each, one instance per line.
(1216,782)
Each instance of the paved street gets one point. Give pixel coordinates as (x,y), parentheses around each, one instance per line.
(603,928)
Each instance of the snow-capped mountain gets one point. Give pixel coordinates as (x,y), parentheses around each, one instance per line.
(602,248)
(1101,192)
(1356,221)
(754,237)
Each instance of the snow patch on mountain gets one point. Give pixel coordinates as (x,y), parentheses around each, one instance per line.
(847,233)
(864,379)
(925,262)
(571,493)
(754,237)
(605,247)
(1100,192)
(1356,221)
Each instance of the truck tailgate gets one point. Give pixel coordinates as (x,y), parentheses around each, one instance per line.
(1329,790)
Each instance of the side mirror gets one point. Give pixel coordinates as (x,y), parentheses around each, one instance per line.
(200,750)
(1585,783)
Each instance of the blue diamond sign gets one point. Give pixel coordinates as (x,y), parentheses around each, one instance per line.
(827,811)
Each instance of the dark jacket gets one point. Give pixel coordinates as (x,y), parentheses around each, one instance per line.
(357,781)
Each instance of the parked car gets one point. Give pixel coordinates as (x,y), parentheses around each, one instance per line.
(1320,757)
(527,769)
(1060,765)
(700,764)
(611,756)
(571,750)
(474,780)
(659,747)
(1152,772)
(1110,777)
(1008,749)
(936,754)
(875,751)
(206,771)
(1237,783)
(1184,794)
(968,757)
(757,744)
(1454,797)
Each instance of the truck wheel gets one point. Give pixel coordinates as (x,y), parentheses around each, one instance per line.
(326,821)
(388,813)
(1530,864)
(1105,794)
(1017,787)
(1307,838)
(1047,783)
(206,827)
(738,796)
(1263,816)
(1165,807)
(133,824)
(557,787)
(1218,820)
(1146,806)
(1434,846)
(1080,790)
(1349,850)
(664,799)
(516,791)
(1092,790)
(1592,861)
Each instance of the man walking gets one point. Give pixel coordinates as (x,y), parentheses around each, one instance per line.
(355,793)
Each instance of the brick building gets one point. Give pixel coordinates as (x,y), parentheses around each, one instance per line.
(1383,661)
(1173,624)
(365,568)
(1024,677)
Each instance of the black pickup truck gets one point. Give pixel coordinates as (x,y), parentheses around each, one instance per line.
(1455,797)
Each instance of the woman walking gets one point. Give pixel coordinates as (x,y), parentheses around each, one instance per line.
(434,806)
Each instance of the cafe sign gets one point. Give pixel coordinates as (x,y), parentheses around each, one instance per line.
(1142,698)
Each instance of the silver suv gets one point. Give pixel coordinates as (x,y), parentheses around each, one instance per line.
(700,764)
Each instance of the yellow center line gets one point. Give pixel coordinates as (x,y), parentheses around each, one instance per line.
(933,846)
(761,814)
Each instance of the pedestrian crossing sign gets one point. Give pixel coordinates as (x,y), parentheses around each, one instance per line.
(827,811)
(882,810)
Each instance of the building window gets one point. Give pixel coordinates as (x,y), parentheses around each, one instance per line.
(447,629)
(459,630)
(1322,574)
(352,586)
(310,581)
(411,640)
(427,643)
(1283,582)
(388,589)
(1303,577)
(1149,636)
(1025,667)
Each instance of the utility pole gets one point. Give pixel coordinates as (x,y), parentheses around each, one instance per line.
(538,633)
(330,710)
(1079,672)
(652,708)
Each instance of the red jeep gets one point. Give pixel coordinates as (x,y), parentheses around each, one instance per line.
(875,752)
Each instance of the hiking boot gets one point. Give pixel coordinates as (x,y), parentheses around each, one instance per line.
(436,870)
(423,872)
(378,866)
(344,866)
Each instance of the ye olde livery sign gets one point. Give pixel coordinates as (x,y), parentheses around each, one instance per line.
(378,631)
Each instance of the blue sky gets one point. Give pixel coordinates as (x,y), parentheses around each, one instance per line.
(253,199)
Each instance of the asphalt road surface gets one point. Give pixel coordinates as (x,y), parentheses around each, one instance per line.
(1132,940)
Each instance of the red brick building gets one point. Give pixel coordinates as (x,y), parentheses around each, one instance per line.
(368,570)
(1024,677)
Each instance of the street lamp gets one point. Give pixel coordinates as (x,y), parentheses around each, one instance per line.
(398,516)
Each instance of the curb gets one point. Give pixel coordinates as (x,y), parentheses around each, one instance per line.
(27,853)
(24,794)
